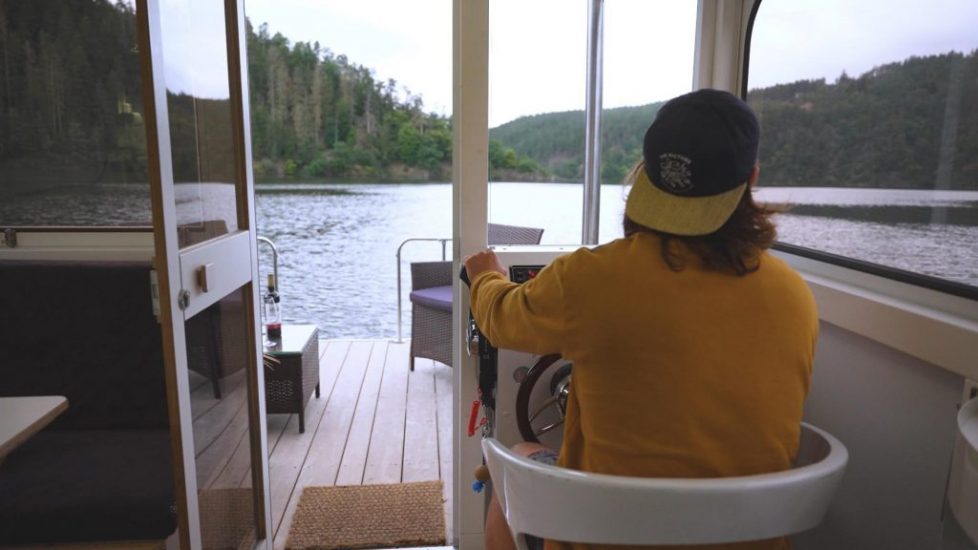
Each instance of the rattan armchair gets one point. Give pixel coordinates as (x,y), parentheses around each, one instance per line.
(431,296)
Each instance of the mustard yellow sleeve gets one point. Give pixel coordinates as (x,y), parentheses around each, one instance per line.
(527,317)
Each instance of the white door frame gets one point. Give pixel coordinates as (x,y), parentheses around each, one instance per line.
(470,200)
(230,261)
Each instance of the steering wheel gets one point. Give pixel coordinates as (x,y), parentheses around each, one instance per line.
(559,388)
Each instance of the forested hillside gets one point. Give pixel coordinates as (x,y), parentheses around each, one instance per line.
(70,92)
(71,110)
(912,124)
(71,106)
(556,140)
(317,114)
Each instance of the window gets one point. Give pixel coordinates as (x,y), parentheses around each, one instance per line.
(537,68)
(642,70)
(537,104)
(869,117)
(72,140)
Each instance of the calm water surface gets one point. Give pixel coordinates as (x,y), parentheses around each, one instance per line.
(337,242)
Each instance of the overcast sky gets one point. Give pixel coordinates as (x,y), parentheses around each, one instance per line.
(538,47)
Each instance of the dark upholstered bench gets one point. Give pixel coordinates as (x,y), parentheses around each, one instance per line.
(102,470)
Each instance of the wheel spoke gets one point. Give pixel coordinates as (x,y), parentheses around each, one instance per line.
(549,402)
(546,429)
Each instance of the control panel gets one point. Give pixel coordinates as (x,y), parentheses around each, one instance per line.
(523,273)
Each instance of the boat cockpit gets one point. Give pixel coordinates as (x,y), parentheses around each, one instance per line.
(874,171)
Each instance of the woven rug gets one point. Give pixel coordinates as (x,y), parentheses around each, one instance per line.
(369,516)
(227,519)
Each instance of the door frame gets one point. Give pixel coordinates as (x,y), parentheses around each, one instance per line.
(169,258)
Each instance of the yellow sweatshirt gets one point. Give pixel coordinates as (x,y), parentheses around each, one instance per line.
(694,373)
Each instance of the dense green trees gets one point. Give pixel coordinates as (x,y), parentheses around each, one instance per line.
(316,114)
(70,92)
(912,124)
(71,104)
(556,141)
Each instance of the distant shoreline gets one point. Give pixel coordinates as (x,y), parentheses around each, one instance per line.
(287,181)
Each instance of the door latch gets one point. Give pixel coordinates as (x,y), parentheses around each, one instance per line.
(183,300)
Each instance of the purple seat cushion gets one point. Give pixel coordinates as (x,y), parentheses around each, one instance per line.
(436,297)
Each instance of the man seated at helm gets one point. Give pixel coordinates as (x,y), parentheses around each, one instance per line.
(692,345)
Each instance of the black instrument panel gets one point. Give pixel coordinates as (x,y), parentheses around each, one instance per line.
(523,273)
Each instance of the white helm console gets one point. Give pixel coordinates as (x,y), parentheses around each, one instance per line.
(544,379)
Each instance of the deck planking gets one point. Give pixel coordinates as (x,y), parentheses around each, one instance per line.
(446,416)
(386,453)
(286,460)
(375,422)
(358,443)
(420,461)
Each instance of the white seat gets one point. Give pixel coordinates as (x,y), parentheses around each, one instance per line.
(569,505)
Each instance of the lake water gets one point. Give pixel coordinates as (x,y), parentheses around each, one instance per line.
(337,242)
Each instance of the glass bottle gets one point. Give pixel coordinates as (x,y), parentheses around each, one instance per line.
(270,311)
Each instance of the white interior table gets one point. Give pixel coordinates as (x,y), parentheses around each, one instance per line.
(22,417)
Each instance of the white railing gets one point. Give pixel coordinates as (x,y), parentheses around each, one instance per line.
(443,242)
(274,249)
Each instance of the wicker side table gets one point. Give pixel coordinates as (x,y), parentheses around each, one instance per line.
(289,384)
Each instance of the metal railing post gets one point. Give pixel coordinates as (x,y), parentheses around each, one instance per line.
(269,242)
(592,130)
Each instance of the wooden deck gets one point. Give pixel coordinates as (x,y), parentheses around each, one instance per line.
(375,422)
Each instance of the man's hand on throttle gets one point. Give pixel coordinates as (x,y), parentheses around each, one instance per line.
(481,262)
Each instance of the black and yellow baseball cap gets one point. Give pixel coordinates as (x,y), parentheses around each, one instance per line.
(698,155)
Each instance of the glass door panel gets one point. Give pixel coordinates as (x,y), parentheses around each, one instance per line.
(218,397)
(206,255)
(198,100)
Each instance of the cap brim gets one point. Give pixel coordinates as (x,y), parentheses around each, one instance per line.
(686,216)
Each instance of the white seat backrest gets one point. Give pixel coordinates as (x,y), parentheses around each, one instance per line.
(569,505)
(962,492)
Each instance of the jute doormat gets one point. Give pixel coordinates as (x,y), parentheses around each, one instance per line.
(369,516)
(227,518)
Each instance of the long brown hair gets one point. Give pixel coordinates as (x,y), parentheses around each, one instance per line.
(735,247)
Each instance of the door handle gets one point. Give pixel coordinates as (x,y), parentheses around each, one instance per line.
(202,276)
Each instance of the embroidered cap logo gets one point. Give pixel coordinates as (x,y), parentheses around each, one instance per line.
(676,172)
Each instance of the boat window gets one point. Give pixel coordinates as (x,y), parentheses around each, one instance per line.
(538,66)
(648,59)
(869,117)
(72,140)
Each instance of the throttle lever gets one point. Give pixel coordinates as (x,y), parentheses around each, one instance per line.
(480,345)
